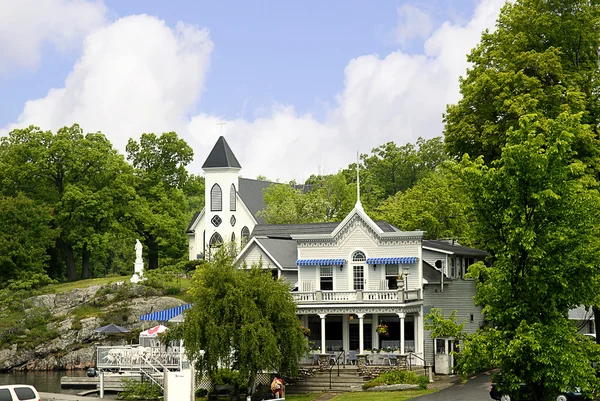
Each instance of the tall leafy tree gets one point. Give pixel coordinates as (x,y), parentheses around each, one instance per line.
(25,236)
(242,320)
(530,111)
(162,213)
(85,182)
(435,204)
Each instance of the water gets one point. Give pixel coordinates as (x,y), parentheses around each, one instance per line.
(47,382)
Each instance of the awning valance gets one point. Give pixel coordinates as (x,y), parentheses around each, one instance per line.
(165,315)
(320,262)
(392,260)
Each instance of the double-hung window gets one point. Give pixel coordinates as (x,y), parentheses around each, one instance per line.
(359,277)
(326,278)
(391,275)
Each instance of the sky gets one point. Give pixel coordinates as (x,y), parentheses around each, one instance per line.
(296,87)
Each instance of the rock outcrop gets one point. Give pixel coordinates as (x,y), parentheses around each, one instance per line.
(75,342)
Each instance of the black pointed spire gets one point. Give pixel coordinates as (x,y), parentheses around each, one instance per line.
(221,156)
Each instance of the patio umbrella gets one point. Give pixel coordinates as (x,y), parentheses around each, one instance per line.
(111,328)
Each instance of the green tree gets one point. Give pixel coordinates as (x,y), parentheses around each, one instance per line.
(338,197)
(435,204)
(530,110)
(25,235)
(287,205)
(242,320)
(162,212)
(85,182)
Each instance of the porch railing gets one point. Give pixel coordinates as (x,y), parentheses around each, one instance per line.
(358,296)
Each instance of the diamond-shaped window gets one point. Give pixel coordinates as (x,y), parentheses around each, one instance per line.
(232,221)
(216,221)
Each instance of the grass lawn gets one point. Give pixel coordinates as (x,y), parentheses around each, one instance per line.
(367,396)
(56,288)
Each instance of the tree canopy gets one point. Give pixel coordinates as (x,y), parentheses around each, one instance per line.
(527,123)
(242,319)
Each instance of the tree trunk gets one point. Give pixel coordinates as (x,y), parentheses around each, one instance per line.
(152,252)
(69,260)
(85,262)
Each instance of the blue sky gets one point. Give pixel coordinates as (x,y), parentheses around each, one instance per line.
(292,80)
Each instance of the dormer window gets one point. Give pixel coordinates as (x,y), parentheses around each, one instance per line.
(216,198)
(232,198)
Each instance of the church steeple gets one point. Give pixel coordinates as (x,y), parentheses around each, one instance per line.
(221,156)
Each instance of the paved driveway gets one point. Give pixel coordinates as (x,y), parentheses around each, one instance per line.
(477,388)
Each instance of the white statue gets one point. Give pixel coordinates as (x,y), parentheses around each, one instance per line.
(138,250)
(138,267)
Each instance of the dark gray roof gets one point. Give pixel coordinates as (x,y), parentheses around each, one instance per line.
(189,229)
(456,248)
(432,275)
(284,251)
(251,193)
(221,156)
(287,230)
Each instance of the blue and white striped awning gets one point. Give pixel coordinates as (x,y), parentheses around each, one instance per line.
(392,260)
(320,262)
(165,315)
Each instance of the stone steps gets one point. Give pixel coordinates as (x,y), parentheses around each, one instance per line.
(348,380)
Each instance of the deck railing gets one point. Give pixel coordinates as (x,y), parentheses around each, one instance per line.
(358,296)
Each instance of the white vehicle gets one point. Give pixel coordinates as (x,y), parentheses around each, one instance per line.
(19,392)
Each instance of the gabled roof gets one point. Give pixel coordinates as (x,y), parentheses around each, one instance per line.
(287,230)
(432,274)
(192,222)
(221,156)
(283,251)
(448,247)
(251,193)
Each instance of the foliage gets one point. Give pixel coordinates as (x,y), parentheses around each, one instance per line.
(441,326)
(382,329)
(167,278)
(287,205)
(140,390)
(435,204)
(243,320)
(530,109)
(232,377)
(397,377)
(161,213)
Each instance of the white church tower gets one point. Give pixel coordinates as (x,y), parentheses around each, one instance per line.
(221,180)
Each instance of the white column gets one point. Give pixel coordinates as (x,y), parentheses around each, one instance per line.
(323,347)
(401,315)
(416,331)
(374,335)
(361,333)
(345,333)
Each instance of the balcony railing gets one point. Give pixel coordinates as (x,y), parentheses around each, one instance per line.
(358,296)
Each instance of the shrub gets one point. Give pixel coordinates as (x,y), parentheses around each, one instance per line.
(397,377)
(233,377)
(140,390)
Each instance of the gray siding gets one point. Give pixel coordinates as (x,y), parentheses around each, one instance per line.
(289,276)
(457,295)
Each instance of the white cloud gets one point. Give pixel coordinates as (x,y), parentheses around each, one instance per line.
(135,75)
(413,23)
(138,75)
(27,25)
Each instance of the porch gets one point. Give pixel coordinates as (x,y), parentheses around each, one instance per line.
(381,338)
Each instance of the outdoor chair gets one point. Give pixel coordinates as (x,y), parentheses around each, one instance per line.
(393,359)
(352,359)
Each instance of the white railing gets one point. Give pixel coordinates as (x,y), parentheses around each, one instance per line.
(113,357)
(304,296)
(339,295)
(380,295)
(358,296)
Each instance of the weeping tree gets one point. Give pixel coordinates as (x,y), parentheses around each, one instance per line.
(242,320)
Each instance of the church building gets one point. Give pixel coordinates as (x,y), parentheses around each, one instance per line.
(361,285)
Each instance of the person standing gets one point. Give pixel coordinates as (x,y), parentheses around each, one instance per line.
(277,387)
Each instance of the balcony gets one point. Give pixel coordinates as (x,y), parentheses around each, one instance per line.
(382,296)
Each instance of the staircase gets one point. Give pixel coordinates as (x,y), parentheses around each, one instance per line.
(348,380)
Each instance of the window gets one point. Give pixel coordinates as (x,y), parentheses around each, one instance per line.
(232,221)
(359,277)
(232,198)
(216,221)
(215,241)
(5,395)
(24,393)
(358,256)
(245,235)
(452,267)
(232,237)
(216,198)
(391,275)
(326,278)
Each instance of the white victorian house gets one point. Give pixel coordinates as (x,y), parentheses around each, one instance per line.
(351,280)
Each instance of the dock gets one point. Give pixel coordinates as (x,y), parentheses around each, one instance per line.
(112,381)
